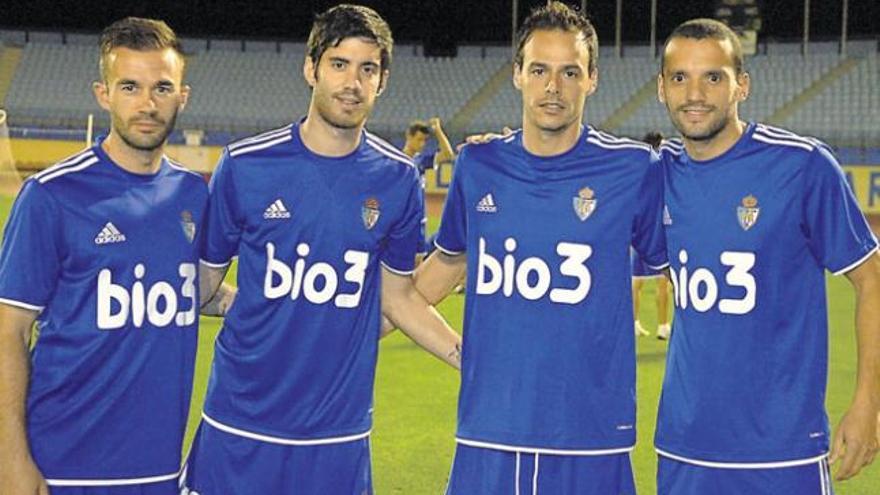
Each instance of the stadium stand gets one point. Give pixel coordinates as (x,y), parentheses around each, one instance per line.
(243,86)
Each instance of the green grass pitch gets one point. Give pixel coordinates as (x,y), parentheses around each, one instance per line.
(412,441)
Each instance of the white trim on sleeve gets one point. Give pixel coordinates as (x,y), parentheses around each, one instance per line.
(21,304)
(857,263)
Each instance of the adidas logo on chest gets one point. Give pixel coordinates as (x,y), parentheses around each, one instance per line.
(276,210)
(109,235)
(487,204)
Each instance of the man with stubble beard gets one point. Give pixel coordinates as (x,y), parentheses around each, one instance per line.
(102,251)
(325,220)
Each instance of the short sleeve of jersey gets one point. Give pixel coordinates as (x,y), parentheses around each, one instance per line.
(837,232)
(30,258)
(425,162)
(224,223)
(452,234)
(649,239)
(406,238)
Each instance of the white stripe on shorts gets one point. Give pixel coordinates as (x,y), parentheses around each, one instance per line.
(516,480)
(535,476)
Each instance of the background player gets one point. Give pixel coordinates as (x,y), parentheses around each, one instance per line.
(756,214)
(102,251)
(321,214)
(417,135)
(543,220)
(642,272)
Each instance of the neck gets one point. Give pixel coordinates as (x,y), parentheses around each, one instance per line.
(548,143)
(130,159)
(324,139)
(718,145)
(409,151)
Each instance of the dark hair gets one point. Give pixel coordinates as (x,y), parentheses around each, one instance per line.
(557,15)
(417,126)
(349,21)
(700,29)
(654,138)
(137,33)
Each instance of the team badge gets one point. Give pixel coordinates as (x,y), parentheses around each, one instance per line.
(748,212)
(188,225)
(370,212)
(584,203)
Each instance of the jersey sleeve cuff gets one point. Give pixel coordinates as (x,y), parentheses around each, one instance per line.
(446,251)
(214,265)
(404,273)
(662,266)
(858,262)
(21,304)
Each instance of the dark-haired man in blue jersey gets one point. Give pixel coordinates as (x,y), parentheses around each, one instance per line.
(325,219)
(754,217)
(543,220)
(102,251)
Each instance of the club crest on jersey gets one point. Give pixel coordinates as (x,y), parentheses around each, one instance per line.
(584,203)
(188,225)
(370,213)
(748,212)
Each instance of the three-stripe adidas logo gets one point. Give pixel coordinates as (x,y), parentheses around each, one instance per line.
(276,210)
(109,234)
(487,204)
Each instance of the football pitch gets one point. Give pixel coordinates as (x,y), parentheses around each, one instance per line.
(415,398)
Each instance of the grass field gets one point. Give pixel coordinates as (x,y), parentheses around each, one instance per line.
(415,401)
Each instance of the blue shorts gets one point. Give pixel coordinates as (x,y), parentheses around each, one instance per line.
(640,269)
(683,478)
(160,488)
(482,471)
(222,463)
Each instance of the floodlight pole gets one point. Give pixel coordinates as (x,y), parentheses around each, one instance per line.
(618,22)
(513,20)
(653,28)
(843,31)
(805,49)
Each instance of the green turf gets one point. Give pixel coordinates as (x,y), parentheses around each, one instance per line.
(412,440)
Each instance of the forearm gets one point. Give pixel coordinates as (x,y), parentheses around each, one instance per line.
(445,152)
(210,280)
(438,276)
(424,325)
(14,372)
(868,339)
(220,303)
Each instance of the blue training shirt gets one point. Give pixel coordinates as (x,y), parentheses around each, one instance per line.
(750,234)
(548,356)
(110,260)
(295,360)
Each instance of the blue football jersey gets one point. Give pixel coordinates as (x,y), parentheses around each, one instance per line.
(295,359)
(110,260)
(548,357)
(750,234)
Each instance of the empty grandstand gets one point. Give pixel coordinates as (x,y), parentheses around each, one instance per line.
(241,86)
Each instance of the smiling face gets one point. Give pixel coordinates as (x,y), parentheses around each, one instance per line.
(143,91)
(554,80)
(346,83)
(701,89)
